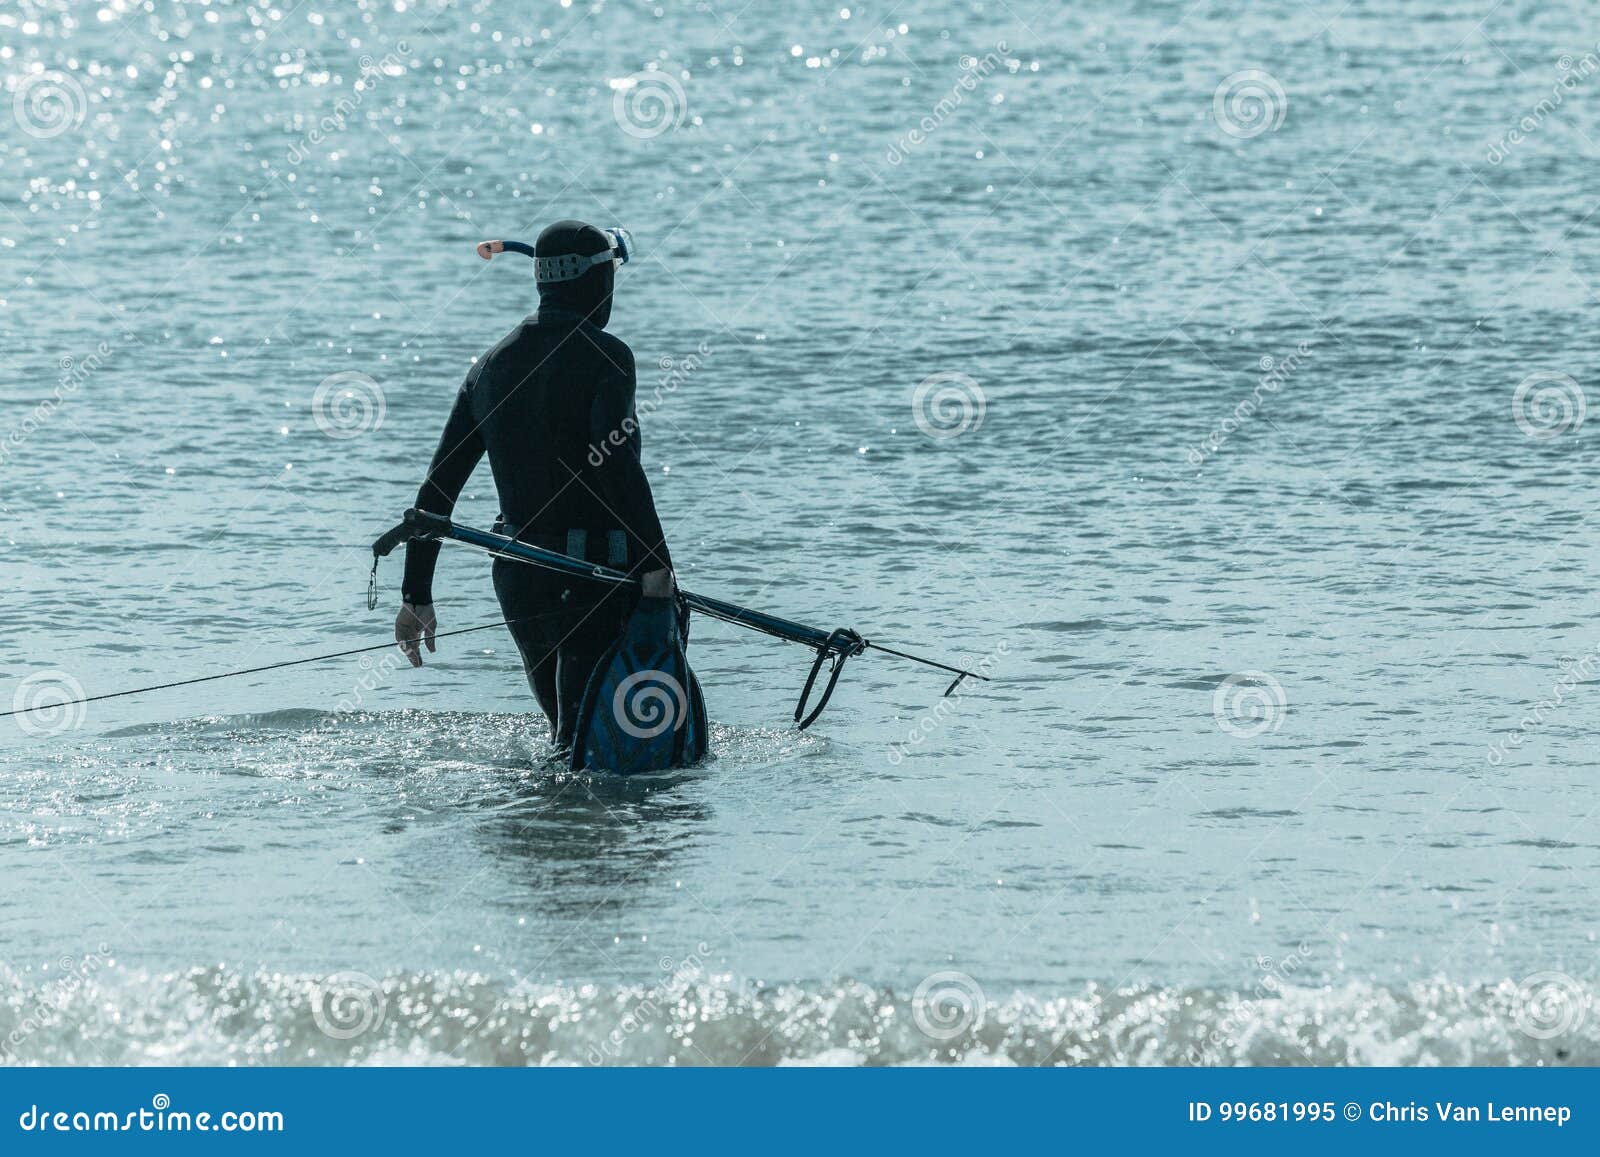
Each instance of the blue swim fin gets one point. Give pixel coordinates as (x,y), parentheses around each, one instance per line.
(642,710)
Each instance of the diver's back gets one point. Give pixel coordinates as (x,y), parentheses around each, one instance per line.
(534,400)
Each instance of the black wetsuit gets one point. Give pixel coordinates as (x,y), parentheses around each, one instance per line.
(553,406)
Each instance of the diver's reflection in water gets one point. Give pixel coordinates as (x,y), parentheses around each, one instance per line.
(578,840)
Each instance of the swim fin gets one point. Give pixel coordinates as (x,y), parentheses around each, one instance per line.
(643,710)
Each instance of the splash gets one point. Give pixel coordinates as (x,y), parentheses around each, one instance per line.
(219,1016)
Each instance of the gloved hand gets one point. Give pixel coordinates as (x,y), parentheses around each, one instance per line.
(414,624)
(658,584)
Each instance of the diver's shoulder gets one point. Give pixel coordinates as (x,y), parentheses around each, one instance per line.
(609,342)
(530,338)
(515,336)
(611,348)
(515,345)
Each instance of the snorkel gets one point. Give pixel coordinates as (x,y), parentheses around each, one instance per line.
(574,265)
(566,266)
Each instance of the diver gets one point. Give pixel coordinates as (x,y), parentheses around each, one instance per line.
(539,404)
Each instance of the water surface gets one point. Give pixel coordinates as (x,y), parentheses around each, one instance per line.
(1222,469)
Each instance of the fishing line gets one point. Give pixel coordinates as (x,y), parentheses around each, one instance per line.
(838,646)
(254,670)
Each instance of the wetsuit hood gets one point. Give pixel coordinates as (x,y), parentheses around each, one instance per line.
(588,296)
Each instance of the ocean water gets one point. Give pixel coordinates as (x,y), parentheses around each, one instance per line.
(1213,377)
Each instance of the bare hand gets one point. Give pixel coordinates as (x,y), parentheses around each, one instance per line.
(657,584)
(412,624)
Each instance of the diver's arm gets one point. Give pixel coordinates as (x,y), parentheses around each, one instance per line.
(460,449)
(626,487)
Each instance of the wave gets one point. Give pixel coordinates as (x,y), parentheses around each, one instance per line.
(220,1016)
